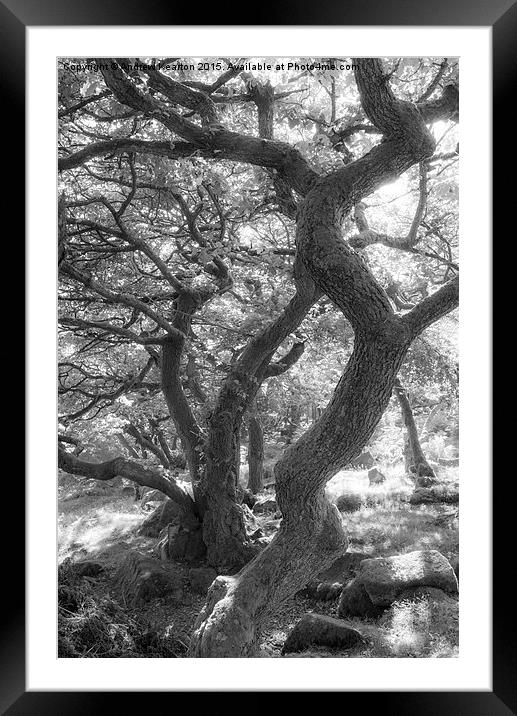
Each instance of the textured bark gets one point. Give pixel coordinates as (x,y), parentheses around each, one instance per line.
(224,528)
(415,460)
(187,428)
(184,421)
(311,535)
(255,454)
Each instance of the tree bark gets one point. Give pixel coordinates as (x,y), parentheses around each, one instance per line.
(255,453)
(228,547)
(311,535)
(186,425)
(415,460)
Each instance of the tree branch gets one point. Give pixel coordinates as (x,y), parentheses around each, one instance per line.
(367,236)
(120,467)
(115,297)
(286,362)
(432,308)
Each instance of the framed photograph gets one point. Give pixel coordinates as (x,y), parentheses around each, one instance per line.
(257,388)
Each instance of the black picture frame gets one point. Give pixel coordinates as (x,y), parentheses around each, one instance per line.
(501,15)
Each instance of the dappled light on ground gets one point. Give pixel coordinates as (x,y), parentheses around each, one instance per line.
(90,526)
(419,628)
(104,527)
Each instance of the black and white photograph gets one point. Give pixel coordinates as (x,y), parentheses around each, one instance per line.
(258,368)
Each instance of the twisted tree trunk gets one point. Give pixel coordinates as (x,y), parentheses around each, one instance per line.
(224,528)
(311,535)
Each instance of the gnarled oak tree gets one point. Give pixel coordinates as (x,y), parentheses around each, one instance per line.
(153,114)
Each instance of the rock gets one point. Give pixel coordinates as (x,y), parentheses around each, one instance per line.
(168,512)
(201,578)
(265,505)
(153,496)
(430,495)
(186,545)
(349,502)
(376,477)
(87,568)
(329,584)
(320,630)
(355,602)
(141,578)
(180,533)
(425,481)
(245,496)
(384,578)
(364,460)
(431,593)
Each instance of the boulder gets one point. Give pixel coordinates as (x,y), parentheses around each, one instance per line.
(329,584)
(355,602)
(141,578)
(153,496)
(185,544)
(431,495)
(364,460)
(166,513)
(267,504)
(349,502)
(319,630)
(384,578)
(201,578)
(380,582)
(375,476)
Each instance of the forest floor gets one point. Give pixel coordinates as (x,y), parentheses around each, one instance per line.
(103,526)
